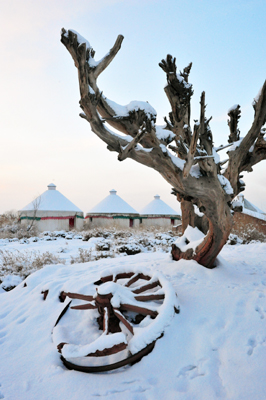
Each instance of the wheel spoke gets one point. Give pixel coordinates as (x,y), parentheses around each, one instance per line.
(139,310)
(150,297)
(88,306)
(136,277)
(123,275)
(146,287)
(114,278)
(124,320)
(79,296)
(106,317)
(106,278)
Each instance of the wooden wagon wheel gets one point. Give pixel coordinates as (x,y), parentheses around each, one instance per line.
(133,309)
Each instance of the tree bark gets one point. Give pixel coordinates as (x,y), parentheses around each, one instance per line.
(188,214)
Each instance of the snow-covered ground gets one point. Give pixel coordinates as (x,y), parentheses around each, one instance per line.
(215,348)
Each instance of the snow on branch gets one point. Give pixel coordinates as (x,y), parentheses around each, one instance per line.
(234,115)
(131,108)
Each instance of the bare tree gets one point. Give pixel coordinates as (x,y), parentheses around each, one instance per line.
(35,207)
(191,164)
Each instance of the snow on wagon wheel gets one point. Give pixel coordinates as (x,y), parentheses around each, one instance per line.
(125,316)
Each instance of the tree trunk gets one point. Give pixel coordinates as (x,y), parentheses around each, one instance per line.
(188,215)
(220,225)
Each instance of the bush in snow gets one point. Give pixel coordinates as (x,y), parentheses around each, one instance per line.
(96,233)
(10,282)
(130,249)
(234,239)
(103,246)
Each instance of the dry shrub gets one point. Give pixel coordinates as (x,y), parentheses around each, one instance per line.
(103,254)
(84,256)
(253,235)
(97,232)
(8,218)
(16,230)
(24,264)
(123,234)
(88,255)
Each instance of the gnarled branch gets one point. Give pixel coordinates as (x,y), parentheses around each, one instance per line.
(194,170)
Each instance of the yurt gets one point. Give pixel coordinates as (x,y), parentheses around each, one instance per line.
(157,213)
(112,211)
(52,211)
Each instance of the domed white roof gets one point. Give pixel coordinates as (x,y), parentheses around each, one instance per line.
(112,204)
(51,200)
(158,207)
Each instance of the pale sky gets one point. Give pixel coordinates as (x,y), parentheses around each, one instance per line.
(44,140)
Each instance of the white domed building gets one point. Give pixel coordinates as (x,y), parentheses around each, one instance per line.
(157,213)
(52,211)
(112,211)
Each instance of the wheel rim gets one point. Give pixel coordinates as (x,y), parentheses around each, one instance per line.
(123,304)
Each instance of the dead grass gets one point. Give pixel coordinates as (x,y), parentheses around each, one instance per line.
(10,227)
(83,256)
(23,264)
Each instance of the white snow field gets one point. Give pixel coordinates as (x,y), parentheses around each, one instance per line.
(215,348)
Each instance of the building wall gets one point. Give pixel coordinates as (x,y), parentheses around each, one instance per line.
(244,223)
(52,225)
(108,222)
(79,224)
(49,221)
(163,222)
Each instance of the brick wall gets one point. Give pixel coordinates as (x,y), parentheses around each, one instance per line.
(244,223)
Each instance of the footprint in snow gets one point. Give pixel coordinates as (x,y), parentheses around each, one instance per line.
(185,375)
(1,394)
(252,343)
(3,315)
(259,310)
(2,339)
(21,320)
(190,371)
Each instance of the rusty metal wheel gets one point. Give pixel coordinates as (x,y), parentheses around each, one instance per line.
(127,314)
